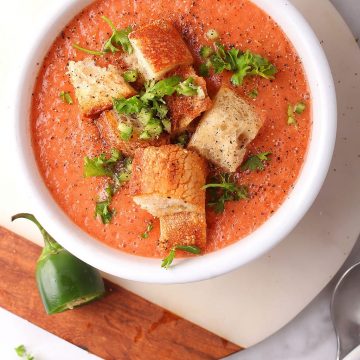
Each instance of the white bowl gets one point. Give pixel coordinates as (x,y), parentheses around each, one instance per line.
(229,258)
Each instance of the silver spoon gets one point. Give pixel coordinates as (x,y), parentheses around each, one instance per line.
(345,311)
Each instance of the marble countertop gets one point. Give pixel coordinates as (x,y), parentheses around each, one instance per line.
(310,336)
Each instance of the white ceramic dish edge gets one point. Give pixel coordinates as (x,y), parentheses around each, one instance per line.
(200,268)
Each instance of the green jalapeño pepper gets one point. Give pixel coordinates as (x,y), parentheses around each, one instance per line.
(63,280)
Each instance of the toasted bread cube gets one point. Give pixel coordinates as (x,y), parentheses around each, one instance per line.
(184,228)
(184,109)
(159,48)
(95,86)
(108,124)
(168,179)
(225,130)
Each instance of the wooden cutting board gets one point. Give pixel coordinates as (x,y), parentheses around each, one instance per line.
(122,325)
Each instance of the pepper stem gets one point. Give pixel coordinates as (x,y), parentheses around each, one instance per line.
(49,241)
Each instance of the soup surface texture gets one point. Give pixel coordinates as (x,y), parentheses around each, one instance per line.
(62,137)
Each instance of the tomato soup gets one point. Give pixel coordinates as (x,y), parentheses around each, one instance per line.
(62,137)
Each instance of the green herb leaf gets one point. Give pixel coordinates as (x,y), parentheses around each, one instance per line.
(187,87)
(223,189)
(102,208)
(206,51)
(253,94)
(66,97)
(204,70)
(99,165)
(149,227)
(119,38)
(241,64)
(299,108)
(88,51)
(128,106)
(161,88)
(191,249)
(256,162)
(20,350)
(182,139)
(130,76)
(170,258)
(125,131)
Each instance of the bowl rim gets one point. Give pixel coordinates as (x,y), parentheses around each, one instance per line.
(270,233)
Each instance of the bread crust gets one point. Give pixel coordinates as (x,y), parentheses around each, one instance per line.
(159,48)
(185,228)
(95,86)
(225,130)
(184,109)
(108,123)
(168,179)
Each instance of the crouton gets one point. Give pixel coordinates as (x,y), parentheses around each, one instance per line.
(108,124)
(225,130)
(184,109)
(159,48)
(168,179)
(184,228)
(95,86)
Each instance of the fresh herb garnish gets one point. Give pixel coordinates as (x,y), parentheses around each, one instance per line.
(102,208)
(125,131)
(206,51)
(118,168)
(149,107)
(299,107)
(292,111)
(149,227)
(130,76)
(256,162)
(87,51)
(118,39)
(170,258)
(22,352)
(242,64)
(100,165)
(253,94)
(182,139)
(223,189)
(66,97)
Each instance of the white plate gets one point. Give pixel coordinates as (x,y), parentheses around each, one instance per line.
(253,302)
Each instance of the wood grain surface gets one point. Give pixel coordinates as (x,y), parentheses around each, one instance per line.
(122,325)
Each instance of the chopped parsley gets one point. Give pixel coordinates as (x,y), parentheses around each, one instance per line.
(149,107)
(130,76)
(256,162)
(88,51)
(294,110)
(102,208)
(253,94)
(66,97)
(118,39)
(170,258)
(22,352)
(149,227)
(118,168)
(241,64)
(182,139)
(100,165)
(222,189)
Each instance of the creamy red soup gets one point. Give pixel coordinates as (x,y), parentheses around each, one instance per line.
(62,137)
